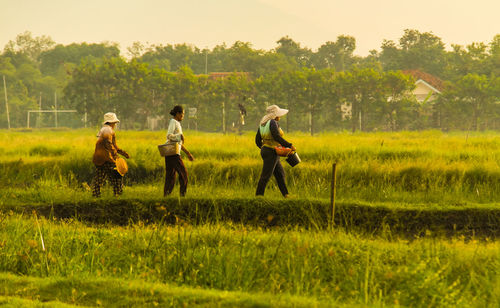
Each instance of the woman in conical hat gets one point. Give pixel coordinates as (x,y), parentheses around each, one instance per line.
(269,135)
(106,156)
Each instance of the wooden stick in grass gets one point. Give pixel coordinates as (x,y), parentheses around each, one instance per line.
(332,195)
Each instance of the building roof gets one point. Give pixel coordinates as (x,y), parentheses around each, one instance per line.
(429,79)
(222,75)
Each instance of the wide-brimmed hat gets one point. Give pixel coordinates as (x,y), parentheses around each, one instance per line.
(110,117)
(272,112)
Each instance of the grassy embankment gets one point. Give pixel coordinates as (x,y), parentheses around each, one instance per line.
(143,264)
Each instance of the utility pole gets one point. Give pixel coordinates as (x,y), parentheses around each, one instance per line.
(6,102)
(223,117)
(206,61)
(40,113)
(85,115)
(55,104)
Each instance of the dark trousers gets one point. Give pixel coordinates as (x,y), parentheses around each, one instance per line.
(272,165)
(107,171)
(175,164)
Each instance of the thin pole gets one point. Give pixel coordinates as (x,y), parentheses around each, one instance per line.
(224,117)
(40,114)
(85,116)
(332,194)
(28,122)
(206,61)
(55,103)
(360,121)
(6,102)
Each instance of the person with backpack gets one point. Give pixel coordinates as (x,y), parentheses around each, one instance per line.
(268,137)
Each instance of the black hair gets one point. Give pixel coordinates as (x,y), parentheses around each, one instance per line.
(177,109)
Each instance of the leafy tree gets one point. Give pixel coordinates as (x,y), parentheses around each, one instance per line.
(474,97)
(292,49)
(362,89)
(30,46)
(337,55)
(416,50)
(53,59)
(398,100)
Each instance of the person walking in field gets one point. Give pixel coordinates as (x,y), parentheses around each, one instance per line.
(268,137)
(105,157)
(173,160)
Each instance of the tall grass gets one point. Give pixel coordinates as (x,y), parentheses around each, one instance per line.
(340,267)
(413,167)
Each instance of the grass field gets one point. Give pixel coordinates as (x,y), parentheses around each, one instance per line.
(222,246)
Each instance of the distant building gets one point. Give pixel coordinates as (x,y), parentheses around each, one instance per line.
(428,86)
(222,75)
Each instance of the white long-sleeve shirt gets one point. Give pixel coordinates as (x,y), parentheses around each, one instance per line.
(174,132)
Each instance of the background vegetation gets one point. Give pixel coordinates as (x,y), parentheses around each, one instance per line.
(314,85)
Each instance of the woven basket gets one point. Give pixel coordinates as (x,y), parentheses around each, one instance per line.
(169,149)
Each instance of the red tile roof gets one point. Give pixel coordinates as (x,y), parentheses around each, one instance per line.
(221,75)
(430,79)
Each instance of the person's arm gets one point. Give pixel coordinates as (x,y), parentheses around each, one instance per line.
(189,155)
(258,139)
(117,149)
(171,136)
(276,135)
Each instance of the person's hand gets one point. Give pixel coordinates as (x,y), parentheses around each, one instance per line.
(190,157)
(293,148)
(125,154)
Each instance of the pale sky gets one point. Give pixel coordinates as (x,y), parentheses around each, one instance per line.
(261,22)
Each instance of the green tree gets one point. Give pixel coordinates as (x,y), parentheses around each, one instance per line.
(52,60)
(361,89)
(474,97)
(416,50)
(30,46)
(292,49)
(398,100)
(337,55)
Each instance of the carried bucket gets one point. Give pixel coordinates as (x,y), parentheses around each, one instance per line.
(293,159)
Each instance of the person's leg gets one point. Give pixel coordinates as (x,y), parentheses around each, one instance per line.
(270,159)
(116,180)
(98,181)
(169,176)
(279,174)
(183,176)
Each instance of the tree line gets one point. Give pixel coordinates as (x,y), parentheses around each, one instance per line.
(327,89)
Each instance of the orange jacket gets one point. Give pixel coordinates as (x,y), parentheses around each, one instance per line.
(106,149)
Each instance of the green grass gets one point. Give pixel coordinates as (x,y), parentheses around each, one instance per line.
(222,246)
(22,291)
(332,267)
(418,167)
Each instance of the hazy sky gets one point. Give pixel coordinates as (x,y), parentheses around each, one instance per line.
(260,22)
